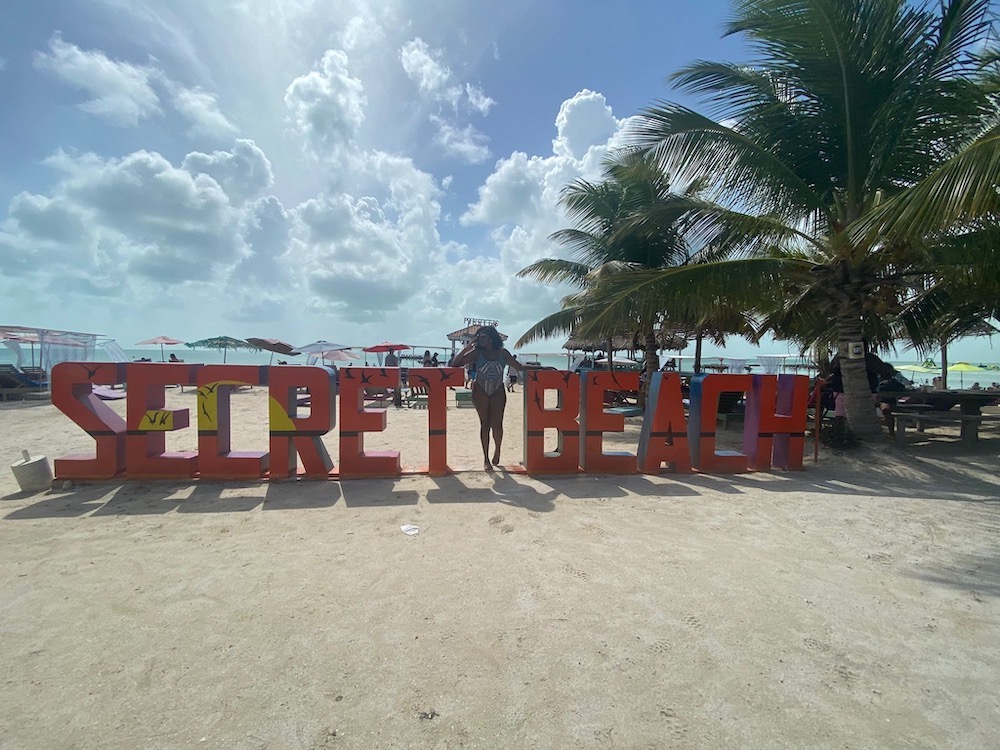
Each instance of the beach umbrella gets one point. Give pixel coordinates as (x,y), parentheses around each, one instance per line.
(385,346)
(961,367)
(338,355)
(220,342)
(922,369)
(317,347)
(325,350)
(162,341)
(275,346)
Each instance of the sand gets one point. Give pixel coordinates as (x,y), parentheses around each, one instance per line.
(853,604)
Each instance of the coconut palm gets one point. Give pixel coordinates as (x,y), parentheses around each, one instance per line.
(861,140)
(599,252)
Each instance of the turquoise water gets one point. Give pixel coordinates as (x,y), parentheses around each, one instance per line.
(547,359)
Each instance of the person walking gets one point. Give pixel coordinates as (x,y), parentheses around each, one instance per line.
(487,355)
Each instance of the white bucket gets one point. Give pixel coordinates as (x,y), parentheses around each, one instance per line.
(32,474)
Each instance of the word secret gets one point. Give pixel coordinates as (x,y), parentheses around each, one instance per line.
(670,440)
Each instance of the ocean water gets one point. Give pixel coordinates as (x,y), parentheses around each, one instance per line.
(547,359)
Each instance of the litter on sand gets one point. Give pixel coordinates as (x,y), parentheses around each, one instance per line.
(409,528)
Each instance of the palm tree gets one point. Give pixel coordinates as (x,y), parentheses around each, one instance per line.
(861,140)
(599,252)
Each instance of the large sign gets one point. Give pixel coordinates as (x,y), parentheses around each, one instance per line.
(572,408)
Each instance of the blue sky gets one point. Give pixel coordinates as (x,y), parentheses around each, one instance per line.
(309,169)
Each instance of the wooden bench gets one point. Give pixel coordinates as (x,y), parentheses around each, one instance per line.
(968,423)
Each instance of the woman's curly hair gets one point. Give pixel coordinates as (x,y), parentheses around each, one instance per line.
(494,336)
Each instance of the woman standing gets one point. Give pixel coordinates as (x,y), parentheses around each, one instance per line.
(486,353)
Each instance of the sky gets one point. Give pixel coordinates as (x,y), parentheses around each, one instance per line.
(315,169)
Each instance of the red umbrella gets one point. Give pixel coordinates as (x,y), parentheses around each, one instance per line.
(161,340)
(385,346)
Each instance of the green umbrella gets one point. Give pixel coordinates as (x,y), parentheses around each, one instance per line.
(221,342)
(923,369)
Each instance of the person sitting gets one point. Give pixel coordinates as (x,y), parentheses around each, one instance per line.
(173,358)
(434,361)
(427,358)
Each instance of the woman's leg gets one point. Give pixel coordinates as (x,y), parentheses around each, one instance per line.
(483,405)
(498,402)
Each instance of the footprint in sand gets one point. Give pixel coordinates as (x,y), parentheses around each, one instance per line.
(675,726)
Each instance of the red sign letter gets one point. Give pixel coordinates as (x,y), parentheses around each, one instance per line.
(595,421)
(566,458)
(355,421)
(148,422)
(73,395)
(291,434)
(216,460)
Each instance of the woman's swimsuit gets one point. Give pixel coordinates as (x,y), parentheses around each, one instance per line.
(489,375)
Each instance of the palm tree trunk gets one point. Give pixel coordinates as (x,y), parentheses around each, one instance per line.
(697,352)
(861,408)
(652,364)
(944,364)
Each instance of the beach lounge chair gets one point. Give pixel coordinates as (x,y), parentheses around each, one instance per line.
(417,397)
(14,383)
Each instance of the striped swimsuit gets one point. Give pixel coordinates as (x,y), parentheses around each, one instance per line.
(489,375)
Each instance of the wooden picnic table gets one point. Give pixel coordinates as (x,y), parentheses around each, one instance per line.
(970,404)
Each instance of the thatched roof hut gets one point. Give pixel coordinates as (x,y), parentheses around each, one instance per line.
(620,342)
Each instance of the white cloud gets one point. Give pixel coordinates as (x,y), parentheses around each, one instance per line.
(584,120)
(520,199)
(434,79)
(467,143)
(202,109)
(361,32)
(243,172)
(138,215)
(119,91)
(478,100)
(365,257)
(327,105)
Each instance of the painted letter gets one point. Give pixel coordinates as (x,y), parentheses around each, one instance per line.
(355,421)
(148,422)
(776,421)
(291,434)
(704,410)
(664,438)
(594,422)
(566,458)
(72,394)
(216,460)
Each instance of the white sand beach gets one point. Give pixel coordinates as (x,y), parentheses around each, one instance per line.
(853,604)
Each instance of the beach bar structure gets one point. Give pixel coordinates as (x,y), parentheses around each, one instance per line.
(464,335)
(54,346)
